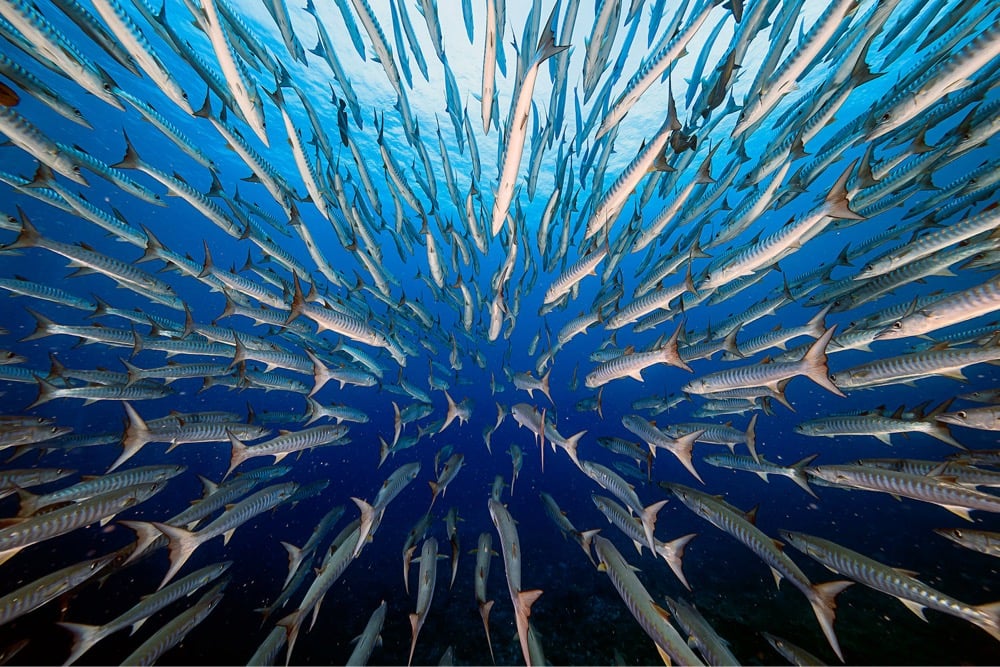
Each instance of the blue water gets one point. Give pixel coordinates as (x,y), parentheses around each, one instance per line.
(580,618)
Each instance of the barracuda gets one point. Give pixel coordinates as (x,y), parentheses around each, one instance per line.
(955,498)
(632,364)
(730,520)
(183,542)
(651,618)
(237,84)
(30,139)
(53,45)
(31,504)
(285,444)
(174,631)
(101,508)
(86,637)
(907,368)
(951,309)
(762,468)
(517,129)
(913,593)
(134,41)
(510,545)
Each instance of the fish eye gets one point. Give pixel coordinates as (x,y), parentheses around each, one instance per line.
(184,95)
(962,414)
(868,268)
(957,532)
(77,113)
(107,87)
(885,118)
(76,169)
(898,324)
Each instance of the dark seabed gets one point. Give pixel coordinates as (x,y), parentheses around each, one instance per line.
(428,298)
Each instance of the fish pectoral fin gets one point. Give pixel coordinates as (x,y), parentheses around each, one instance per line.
(916,608)
(228,535)
(884,437)
(777,577)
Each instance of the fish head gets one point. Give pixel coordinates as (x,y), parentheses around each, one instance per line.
(959,417)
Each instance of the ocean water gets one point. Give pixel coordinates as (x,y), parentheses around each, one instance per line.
(579,619)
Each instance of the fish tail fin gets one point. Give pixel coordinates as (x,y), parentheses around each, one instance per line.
(313,410)
(939,429)
(367,521)
(43,177)
(29,502)
(298,299)
(484,611)
(729,344)
(207,265)
(43,326)
(206,108)
(991,619)
(837,200)
(134,372)
(543,385)
(799,476)
(779,395)
(238,455)
(669,349)
(182,544)
(46,392)
(524,601)
(415,631)
(383,451)
(586,538)
(321,374)
(452,412)
(682,448)
(648,519)
(294,561)
(813,364)
(291,624)
(131,159)
(751,438)
(146,534)
(547,46)
(84,638)
(136,435)
(823,601)
(571,445)
(816,326)
(29,237)
(240,352)
(673,553)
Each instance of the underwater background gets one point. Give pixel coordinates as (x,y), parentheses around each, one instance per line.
(580,618)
